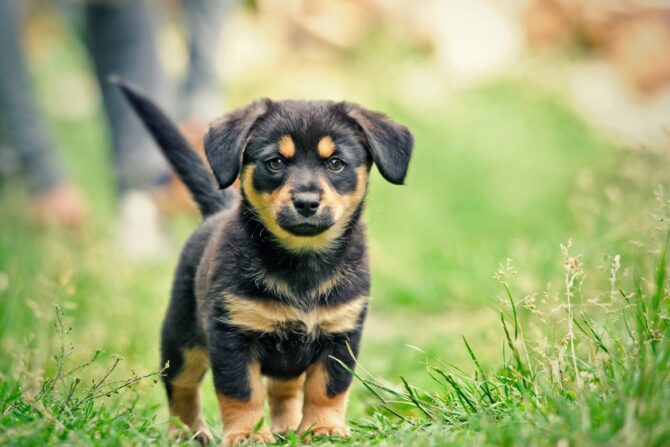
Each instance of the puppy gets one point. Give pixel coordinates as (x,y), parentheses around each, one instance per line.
(275,280)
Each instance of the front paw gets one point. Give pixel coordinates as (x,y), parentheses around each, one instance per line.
(334,431)
(203,436)
(199,433)
(285,423)
(234,439)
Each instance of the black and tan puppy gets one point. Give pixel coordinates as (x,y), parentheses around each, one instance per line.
(275,280)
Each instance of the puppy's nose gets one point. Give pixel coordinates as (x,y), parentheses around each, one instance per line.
(306,203)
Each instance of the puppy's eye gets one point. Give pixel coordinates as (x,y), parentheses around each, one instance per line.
(335,164)
(276,164)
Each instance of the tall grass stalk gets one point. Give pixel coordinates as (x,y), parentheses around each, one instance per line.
(606,380)
(63,410)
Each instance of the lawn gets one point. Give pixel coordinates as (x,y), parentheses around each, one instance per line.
(483,331)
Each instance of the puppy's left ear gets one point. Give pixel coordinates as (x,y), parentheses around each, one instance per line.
(390,144)
(227,138)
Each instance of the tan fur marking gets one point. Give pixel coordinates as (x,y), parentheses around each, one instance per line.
(185,398)
(285,397)
(241,417)
(340,319)
(185,404)
(277,285)
(326,147)
(342,208)
(196,363)
(267,317)
(286,146)
(323,414)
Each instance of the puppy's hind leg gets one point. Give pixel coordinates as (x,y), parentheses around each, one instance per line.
(188,365)
(188,362)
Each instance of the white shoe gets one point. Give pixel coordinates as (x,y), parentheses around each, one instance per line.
(140,232)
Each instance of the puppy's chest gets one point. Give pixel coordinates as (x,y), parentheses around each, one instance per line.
(288,354)
(271,316)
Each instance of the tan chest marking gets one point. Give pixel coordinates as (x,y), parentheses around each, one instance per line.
(276,285)
(268,317)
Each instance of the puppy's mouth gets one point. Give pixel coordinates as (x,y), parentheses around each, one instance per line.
(300,226)
(305,229)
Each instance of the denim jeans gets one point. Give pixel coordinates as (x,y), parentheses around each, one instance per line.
(120,38)
(200,93)
(25,140)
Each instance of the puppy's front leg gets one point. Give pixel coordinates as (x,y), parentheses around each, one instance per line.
(239,390)
(285,398)
(327,389)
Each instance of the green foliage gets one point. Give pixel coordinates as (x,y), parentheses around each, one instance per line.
(599,376)
(61,408)
(578,355)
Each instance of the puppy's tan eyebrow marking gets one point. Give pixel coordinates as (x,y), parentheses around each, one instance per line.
(286,146)
(326,147)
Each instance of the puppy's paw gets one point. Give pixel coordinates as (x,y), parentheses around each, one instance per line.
(334,431)
(202,435)
(178,433)
(234,439)
(285,424)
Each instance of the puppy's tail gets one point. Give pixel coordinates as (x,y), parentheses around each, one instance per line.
(184,160)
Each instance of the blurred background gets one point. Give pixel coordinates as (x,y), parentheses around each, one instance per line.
(536,121)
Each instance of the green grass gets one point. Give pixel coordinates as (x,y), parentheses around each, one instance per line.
(462,346)
(593,372)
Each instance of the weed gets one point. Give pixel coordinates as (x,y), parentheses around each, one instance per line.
(64,409)
(605,379)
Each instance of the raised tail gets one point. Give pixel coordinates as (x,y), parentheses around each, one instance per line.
(184,160)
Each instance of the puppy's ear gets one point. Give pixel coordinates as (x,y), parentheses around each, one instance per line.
(227,137)
(390,144)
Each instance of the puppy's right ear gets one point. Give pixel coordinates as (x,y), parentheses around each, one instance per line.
(227,137)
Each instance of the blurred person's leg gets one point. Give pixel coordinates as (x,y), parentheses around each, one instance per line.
(200,94)
(24,133)
(120,37)
(201,91)
(121,40)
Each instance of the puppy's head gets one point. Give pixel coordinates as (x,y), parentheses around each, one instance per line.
(303,165)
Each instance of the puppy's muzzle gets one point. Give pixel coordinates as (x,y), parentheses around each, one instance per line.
(306,214)
(306,203)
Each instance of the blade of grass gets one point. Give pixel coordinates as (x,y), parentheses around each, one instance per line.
(485,383)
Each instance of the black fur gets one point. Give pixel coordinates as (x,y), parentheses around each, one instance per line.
(233,253)
(181,329)
(226,138)
(390,144)
(176,149)
(307,122)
